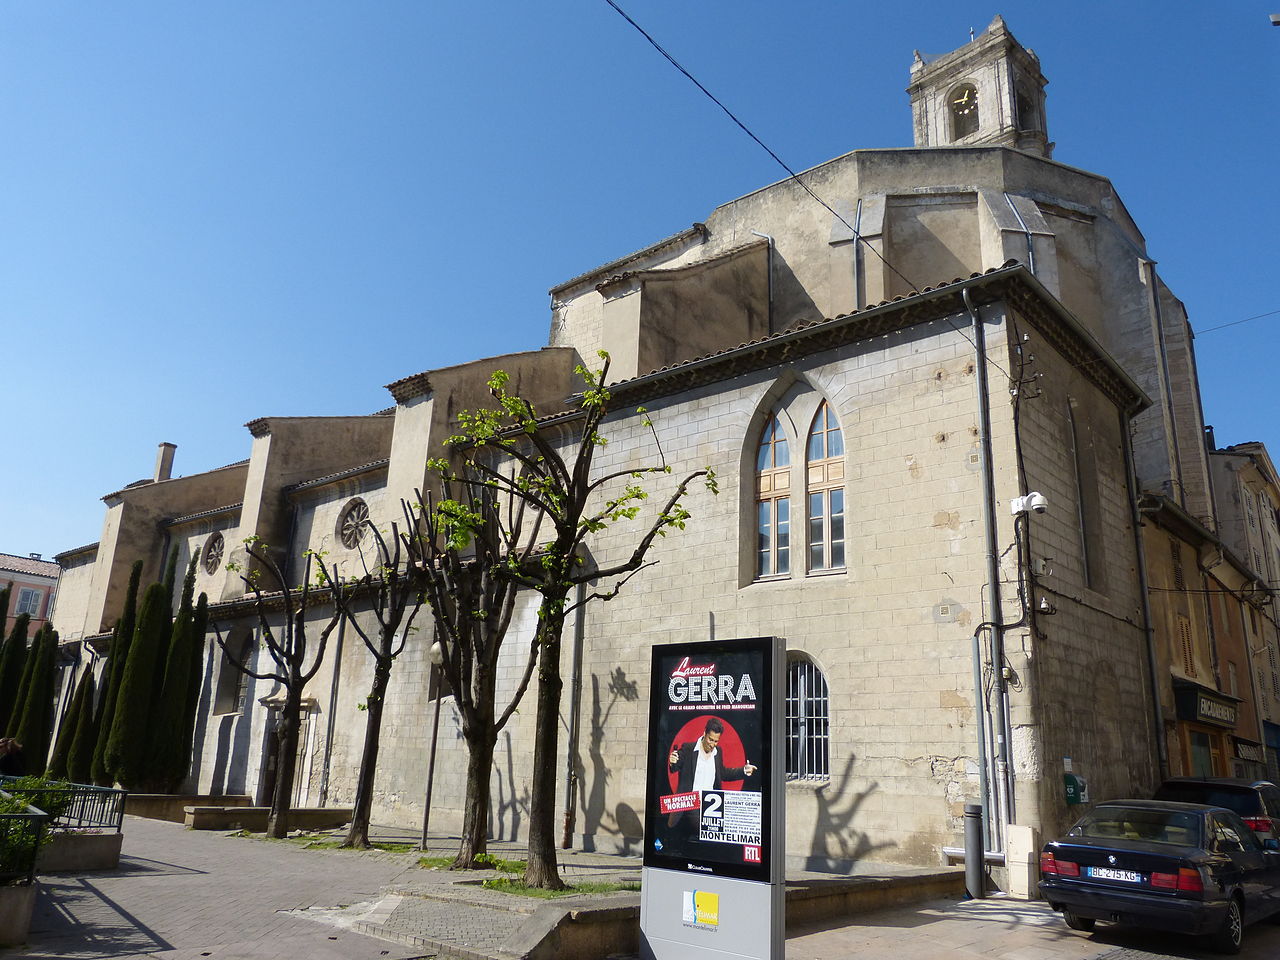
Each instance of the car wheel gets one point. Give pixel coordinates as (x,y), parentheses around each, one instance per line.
(1231,933)
(1075,922)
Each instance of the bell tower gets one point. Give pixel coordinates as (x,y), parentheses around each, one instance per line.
(989,92)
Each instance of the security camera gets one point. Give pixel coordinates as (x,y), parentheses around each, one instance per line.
(1036,502)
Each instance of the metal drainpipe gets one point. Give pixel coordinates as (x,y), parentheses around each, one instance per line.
(857,256)
(1153,663)
(1031,248)
(999,723)
(765,236)
(333,708)
(575,725)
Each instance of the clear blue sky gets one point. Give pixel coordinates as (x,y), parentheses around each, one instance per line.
(220,211)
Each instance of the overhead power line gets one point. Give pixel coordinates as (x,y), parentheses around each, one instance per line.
(764,146)
(1223,326)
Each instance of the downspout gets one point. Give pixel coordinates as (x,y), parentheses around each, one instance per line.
(575,725)
(994,605)
(1153,663)
(1254,689)
(857,256)
(1031,248)
(765,236)
(333,711)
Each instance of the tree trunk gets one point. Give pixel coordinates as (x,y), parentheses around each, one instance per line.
(542,870)
(358,833)
(475,815)
(278,821)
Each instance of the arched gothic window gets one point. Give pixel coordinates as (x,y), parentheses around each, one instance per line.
(773,501)
(824,477)
(963,105)
(808,721)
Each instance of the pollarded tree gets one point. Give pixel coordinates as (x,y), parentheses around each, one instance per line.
(128,754)
(35,729)
(462,543)
(392,594)
(289,647)
(574,505)
(121,637)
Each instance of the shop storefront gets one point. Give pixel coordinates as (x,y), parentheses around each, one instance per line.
(1206,726)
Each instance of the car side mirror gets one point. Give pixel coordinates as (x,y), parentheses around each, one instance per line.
(1271,843)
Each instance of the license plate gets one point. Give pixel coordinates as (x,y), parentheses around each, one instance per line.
(1107,873)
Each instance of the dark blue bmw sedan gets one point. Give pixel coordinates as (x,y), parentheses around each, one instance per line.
(1180,867)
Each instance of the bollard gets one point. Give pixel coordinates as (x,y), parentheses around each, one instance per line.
(975,867)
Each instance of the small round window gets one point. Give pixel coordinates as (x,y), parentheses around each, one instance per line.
(353,524)
(212,558)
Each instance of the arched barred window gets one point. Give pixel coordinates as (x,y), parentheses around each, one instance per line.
(824,478)
(773,501)
(808,721)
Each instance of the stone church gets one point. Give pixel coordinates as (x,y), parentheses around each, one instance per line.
(933,402)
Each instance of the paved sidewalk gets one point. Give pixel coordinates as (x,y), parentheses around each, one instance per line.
(182,895)
(1000,929)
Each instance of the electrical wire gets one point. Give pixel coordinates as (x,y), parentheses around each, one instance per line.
(791,173)
(1223,326)
(764,146)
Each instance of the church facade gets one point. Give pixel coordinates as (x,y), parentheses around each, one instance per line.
(879,383)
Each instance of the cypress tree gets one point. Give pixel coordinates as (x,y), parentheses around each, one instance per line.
(199,628)
(121,637)
(81,700)
(168,724)
(171,576)
(35,729)
(13,712)
(13,661)
(80,757)
(129,745)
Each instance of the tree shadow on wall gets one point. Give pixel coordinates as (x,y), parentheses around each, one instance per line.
(506,806)
(834,836)
(203,714)
(626,822)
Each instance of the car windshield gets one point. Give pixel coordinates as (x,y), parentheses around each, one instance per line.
(1244,802)
(1140,823)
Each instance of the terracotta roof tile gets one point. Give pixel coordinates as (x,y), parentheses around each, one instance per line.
(29,565)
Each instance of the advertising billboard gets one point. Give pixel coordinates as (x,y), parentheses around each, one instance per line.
(709,805)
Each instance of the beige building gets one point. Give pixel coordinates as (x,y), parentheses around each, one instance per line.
(879,383)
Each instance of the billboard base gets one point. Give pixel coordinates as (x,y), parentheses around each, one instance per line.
(691,916)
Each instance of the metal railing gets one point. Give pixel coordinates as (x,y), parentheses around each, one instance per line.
(21,834)
(75,806)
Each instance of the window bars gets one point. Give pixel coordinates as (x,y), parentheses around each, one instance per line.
(808,722)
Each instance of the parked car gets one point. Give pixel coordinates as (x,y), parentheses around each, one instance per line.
(1257,801)
(1181,867)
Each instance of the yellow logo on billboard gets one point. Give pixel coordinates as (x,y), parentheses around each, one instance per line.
(701,909)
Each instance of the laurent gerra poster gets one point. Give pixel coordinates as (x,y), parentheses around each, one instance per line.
(709,806)
(714,828)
